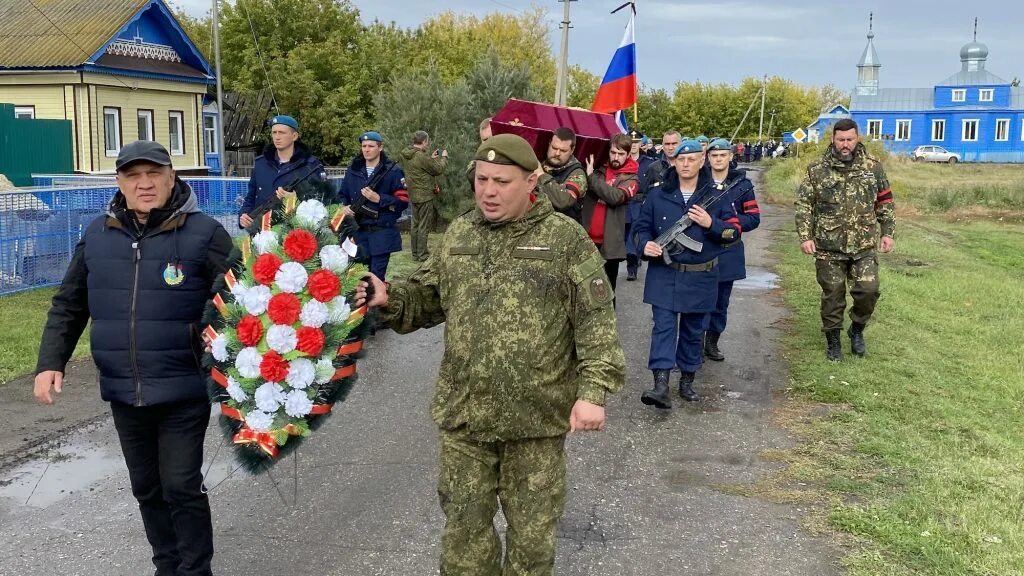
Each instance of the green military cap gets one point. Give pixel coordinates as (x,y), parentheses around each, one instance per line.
(720,144)
(689,146)
(702,139)
(508,149)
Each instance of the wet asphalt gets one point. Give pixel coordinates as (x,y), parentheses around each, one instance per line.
(645,497)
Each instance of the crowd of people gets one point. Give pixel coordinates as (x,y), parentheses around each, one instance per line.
(525,285)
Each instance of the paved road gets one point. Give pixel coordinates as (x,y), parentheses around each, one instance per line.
(642,497)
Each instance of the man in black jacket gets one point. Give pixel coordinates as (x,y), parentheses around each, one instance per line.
(143,274)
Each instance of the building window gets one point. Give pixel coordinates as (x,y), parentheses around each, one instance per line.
(986,94)
(902,130)
(25,112)
(938,130)
(145,124)
(111,131)
(210,134)
(874,129)
(970,131)
(960,95)
(176,126)
(1002,130)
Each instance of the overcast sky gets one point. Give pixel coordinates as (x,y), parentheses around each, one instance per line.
(808,41)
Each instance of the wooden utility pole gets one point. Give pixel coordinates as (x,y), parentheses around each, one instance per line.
(220,90)
(760,126)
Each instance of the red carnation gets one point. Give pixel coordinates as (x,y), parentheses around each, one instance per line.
(323,285)
(311,340)
(249,330)
(265,268)
(273,367)
(300,245)
(284,308)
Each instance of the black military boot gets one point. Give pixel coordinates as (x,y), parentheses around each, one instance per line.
(631,267)
(686,387)
(856,333)
(658,396)
(834,352)
(711,350)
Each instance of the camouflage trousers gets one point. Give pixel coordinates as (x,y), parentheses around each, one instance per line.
(424,219)
(527,477)
(834,273)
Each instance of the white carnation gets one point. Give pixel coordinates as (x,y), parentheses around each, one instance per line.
(265,241)
(238,291)
(334,258)
(248,362)
(259,421)
(324,370)
(269,397)
(301,373)
(291,277)
(219,348)
(235,390)
(339,310)
(349,247)
(281,338)
(297,404)
(310,213)
(255,300)
(314,314)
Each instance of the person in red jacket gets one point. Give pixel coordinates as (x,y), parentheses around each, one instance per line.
(604,211)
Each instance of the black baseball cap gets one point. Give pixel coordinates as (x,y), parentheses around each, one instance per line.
(142,151)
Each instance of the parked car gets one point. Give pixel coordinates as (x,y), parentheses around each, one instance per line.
(934,154)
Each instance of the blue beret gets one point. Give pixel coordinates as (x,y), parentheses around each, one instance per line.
(371,136)
(645,140)
(720,144)
(702,139)
(689,146)
(286,120)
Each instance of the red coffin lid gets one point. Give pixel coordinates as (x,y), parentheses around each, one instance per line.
(536,122)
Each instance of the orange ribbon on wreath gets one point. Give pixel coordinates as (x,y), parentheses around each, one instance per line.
(265,440)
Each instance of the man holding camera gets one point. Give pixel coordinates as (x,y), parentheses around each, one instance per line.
(422,171)
(374,190)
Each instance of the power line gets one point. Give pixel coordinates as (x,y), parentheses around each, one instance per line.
(503,5)
(259,53)
(75,44)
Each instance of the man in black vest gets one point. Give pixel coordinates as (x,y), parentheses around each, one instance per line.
(562,177)
(143,274)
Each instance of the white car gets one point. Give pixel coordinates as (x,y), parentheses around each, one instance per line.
(934,154)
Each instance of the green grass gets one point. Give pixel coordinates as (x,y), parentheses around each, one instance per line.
(925,187)
(921,453)
(22,316)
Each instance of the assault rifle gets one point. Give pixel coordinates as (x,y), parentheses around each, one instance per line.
(674,240)
(273,201)
(360,205)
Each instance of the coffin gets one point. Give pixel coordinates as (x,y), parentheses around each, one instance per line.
(536,122)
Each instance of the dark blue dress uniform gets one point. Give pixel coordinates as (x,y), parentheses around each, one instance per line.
(633,208)
(682,294)
(732,262)
(377,237)
(268,174)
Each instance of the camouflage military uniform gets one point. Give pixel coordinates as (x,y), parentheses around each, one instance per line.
(565,186)
(841,206)
(529,330)
(421,173)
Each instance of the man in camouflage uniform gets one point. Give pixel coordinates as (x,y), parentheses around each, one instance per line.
(509,391)
(422,170)
(840,205)
(485,134)
(563,179)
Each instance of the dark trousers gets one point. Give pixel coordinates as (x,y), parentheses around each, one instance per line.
(611,269)
(833,275)
(163,448)
(378,265)
(718,319)
(676,340)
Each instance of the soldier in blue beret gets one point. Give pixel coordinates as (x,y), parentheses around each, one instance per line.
(374,190)
(732,262)
(683,290)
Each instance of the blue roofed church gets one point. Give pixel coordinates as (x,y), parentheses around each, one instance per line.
(972,112)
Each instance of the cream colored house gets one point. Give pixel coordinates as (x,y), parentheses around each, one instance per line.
(119,70)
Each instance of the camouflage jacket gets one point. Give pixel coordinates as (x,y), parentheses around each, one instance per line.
(529,329)
(841,206)
(565,186)
(421,172)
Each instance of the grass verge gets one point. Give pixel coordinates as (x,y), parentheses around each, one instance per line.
(22,317)
(920,447)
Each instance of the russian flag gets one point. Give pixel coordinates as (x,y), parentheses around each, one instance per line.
(618,89)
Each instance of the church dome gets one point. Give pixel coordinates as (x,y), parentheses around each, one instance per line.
(974,51)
